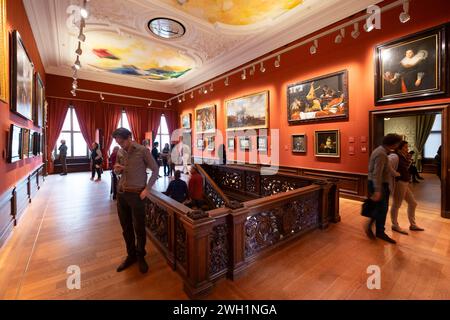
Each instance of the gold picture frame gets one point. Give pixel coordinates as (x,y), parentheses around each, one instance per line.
(4,72)
(258,118)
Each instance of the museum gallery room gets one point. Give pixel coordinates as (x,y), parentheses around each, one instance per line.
(224,150)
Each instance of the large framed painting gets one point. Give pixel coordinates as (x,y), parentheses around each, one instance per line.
(299,143)
(412,68)
(4,89)
(39,101)
(248,112)
(15,144)
(205,119)
(319,99)
(186,121)
(22,75)
(327,144)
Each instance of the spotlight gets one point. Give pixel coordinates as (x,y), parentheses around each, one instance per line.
(244,75)
(102,97)
(340,36)
(73,92)
(262,69)
(313,49)
(165,105)
(205,91)
(211,88)
(355,33)
(200,91)
(77,64)
(75,84)
(179,100)
(277,62)
(183,98)
(170,102)
(252,70)
(404,16)
(83,11)
(368,27)
(79,51)
(192,94)
(227,82)
(150,103)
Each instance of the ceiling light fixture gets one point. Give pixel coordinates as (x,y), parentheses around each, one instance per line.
(277,61)
(205,91)
(165,105)
(170,102)
(244,75)
(227,82)
(79,51)
(355,33)
(404,16)
(75,84)
(314,47)
(262,69)
(73,92)
(77,64)
(340,36)
(192,94)
(179,100)
(84,11)
(183,98)
(102,97)
(150,103)
(252,70)
(211,87)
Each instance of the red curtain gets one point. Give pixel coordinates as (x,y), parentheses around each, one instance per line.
(134,118)
(86,117)
(112,114)
(172,120)
(154,119)
(56,114)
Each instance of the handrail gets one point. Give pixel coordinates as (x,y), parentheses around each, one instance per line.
(163,200)
(213,184)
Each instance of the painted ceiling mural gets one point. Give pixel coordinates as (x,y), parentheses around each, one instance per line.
(235,12)
(127,55)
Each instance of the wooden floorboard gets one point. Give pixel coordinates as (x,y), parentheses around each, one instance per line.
(73,221)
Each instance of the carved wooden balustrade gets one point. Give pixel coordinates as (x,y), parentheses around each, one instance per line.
(206,246)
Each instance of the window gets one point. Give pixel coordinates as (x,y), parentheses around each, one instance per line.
(434,139)
(123,123)
(76,145)
(163,136)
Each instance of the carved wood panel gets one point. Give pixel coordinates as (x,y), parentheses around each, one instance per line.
(180,243)
(157,222)
(219,249)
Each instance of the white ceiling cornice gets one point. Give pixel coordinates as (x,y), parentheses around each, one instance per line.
(216,48)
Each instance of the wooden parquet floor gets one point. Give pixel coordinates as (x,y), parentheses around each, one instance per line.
(72,221)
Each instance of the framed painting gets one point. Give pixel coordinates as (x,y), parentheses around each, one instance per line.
(319,99)
(4,89)
(25,143)
(327,143)
(186,121)
(211,143)
(22,75)
(39,101)
(245,143)
(200,144)
(205,119)
(15,144)
(299,143)
(31,144)
(248,112)
(261,142)
(37,144)
(412,68)
(231,143)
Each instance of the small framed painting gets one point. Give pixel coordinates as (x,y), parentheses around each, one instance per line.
(262,143)
(186,121)
(15,144)
(200,144)
(31,144)
(299,143)
(327,143)
(211,143)
(25,142)
(245,143)
(230,143)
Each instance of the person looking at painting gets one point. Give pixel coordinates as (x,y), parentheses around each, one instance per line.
(378,185)
(63,157)
(402,190)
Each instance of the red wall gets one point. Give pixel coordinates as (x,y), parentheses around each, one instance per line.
(357,56)
(12,173)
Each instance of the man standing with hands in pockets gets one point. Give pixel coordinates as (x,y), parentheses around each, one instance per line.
(132,163)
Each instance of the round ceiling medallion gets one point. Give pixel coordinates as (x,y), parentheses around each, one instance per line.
(166,28)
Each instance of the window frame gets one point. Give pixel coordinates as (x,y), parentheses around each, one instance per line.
(71,132)
(159,135)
